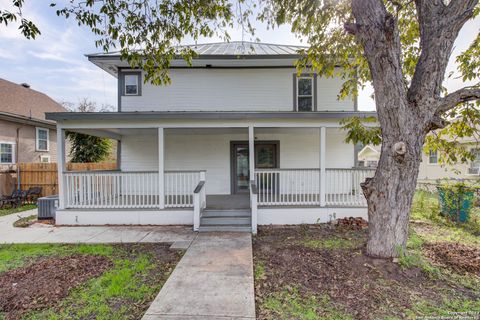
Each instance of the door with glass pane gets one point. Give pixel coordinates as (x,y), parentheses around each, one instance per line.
(266,155)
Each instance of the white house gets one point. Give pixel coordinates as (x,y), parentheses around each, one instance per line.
(186,149)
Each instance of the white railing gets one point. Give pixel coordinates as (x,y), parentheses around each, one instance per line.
(302,186)
(288,186)
(111,189)
(123,190)
(343,186)
(179,187)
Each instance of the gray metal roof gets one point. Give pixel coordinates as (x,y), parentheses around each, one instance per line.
(233,48)
(62,116)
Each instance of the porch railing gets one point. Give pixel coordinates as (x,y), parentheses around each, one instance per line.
(302,186)
(123,190)
(343,186)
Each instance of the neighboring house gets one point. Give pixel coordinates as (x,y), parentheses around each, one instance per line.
(431,169)
(237,139)
(368,156)
(25,134)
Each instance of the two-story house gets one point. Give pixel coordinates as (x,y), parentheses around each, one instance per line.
(236,140)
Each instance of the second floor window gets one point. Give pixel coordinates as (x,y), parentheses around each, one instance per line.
(131,84)
(42,143)
(305,94)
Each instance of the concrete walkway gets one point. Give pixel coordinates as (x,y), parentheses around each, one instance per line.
(180,236)
(213,280)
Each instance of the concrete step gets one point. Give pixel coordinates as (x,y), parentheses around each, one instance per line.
(236,228)
(229,220)
(226,213)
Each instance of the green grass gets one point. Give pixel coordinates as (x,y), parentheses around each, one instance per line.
(4,212)
(329,244)
(452,308)
(259,271)
(16,255)
(290,304)
(134,280)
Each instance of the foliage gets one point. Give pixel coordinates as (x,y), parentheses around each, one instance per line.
(86,148)
(456,197)
(4,212)
(359,132)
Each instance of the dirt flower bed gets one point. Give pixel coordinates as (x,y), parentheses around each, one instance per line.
(456,256)
(118,281)
(43,283)
(309,272)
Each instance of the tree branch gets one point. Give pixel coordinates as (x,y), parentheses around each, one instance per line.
(459,96)
(439,27)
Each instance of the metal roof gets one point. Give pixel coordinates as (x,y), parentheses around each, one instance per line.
(62,116)
(233,48)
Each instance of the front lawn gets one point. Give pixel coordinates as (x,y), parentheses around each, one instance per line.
(322,272)
(4,212)
(53,281)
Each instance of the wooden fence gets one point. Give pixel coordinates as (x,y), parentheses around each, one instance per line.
(45,175)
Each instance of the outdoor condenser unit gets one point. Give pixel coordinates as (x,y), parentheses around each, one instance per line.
(47,206)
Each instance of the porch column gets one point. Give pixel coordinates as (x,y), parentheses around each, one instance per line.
(323,142)
(251,153)
(161,168)
(61,166)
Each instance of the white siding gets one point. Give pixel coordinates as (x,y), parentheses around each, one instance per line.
(209,149)
(231,90)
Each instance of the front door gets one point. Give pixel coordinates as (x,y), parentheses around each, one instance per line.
(266,157)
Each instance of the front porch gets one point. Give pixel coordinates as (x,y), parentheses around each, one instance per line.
(176,175)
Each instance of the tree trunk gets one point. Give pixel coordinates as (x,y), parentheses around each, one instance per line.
(389,197)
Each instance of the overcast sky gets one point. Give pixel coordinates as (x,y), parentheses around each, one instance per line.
(55,64)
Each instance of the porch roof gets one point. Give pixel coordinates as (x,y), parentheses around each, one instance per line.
(64,116)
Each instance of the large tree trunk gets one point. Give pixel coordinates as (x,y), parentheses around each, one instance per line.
(390,192)
(405,115)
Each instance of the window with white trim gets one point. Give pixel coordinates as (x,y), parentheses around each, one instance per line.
(45,159)
(131,84)
(42,141)
(433,157)
(7,152)
(305,93)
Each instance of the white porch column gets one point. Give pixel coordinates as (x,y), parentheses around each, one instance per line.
(61,166)
(161,168)
(323,145)
(251,152)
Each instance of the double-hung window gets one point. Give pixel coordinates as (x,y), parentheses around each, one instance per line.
(131,84)
(305,93)
(432,157)
(7,153)
(42,140)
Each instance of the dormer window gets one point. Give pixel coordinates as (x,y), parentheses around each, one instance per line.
(305,99)
(131,84)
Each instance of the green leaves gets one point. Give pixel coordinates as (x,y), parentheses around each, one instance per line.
(27,28)
(362,130)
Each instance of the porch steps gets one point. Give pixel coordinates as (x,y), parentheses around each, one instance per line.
(238,220)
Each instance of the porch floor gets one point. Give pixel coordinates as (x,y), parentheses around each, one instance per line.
(228,201)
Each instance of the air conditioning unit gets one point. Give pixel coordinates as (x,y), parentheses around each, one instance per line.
(47,207)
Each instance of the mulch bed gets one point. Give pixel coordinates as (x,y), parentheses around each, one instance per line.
(455,256)
(356,284)
(43,283)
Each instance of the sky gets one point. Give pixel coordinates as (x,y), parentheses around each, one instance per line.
(55,62)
